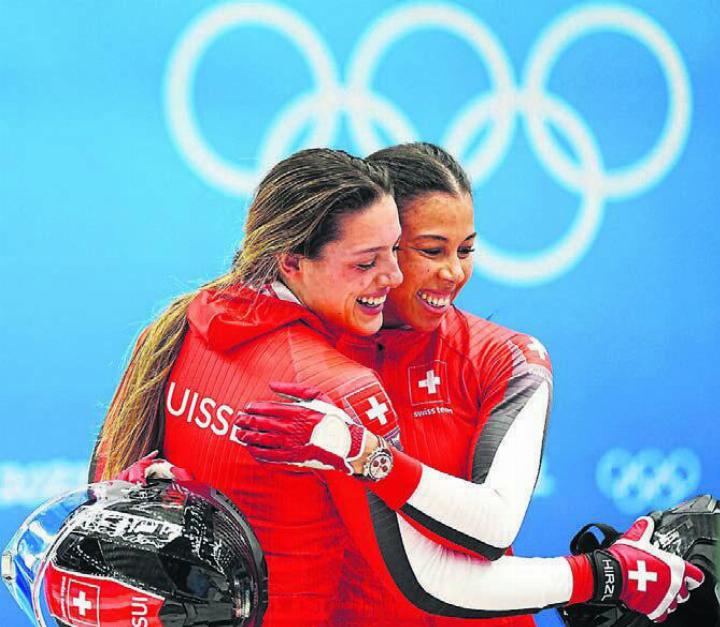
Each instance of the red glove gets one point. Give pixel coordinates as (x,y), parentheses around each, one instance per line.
(309,431)
(632,570)
(153,467)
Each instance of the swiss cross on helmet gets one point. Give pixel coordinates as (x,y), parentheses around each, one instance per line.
(690,530)
(115,553)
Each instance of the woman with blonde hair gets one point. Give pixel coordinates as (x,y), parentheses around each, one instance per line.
(320,217)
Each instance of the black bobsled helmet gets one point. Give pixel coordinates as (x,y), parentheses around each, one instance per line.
(690,530)
(115,553)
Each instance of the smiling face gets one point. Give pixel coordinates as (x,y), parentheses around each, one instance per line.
(347,284)
(435,257)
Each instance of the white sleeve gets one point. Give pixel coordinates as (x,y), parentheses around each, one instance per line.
(445,582)
(507,584)
(484,515)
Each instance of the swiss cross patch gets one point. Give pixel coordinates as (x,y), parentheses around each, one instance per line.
(429,383)
(533,350)
(642,576)
(83,603)
(371,407)
(88,601)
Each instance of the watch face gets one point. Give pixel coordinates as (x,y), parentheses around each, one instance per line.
(380,465)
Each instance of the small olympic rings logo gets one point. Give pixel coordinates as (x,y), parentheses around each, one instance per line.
(648,480)
(497,110)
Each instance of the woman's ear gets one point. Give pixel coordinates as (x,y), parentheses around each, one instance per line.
(288,265)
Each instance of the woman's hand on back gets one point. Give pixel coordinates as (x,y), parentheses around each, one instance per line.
(306,430)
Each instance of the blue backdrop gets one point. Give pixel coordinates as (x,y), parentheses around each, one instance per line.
(132,135)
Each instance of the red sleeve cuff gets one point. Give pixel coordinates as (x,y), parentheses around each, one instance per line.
(399,485)
(583,579)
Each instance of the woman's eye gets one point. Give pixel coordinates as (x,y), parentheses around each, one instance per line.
(432,252)
(464,252)
(395,249)
(367,266)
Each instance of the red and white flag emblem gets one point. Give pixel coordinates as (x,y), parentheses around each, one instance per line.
(90,601)
(533,350)
(371,407)
(429,383)
(83,603)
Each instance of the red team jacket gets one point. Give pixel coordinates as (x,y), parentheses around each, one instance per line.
(236,345)
(458,392)
(336,551)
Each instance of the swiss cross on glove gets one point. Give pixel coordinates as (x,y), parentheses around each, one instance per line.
(307,431)
(647,579)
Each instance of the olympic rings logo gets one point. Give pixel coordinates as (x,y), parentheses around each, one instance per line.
(497,110)
(648,480)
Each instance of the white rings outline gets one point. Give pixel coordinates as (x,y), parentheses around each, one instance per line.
(500,107)
(185,57)
(649,479)
(628,180)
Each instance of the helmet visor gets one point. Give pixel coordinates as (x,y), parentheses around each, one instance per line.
(29,552)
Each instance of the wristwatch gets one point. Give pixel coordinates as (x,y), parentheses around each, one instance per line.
(379,463)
